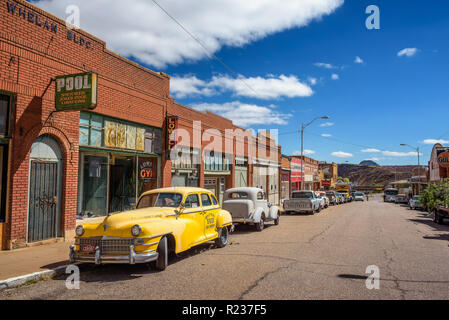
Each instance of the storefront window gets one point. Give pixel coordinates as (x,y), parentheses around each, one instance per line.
(216,161)
(4,114)
(95,186)
(99,131)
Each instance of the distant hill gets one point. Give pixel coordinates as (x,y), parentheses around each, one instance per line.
(369,163)
(367,175)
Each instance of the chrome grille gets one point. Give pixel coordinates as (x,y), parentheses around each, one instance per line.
(106,246)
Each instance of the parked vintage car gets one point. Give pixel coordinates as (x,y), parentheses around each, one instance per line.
(163,221)
(401,198)
(359,196)
(324,199)
(415,203)
(344,198)
(333,200)
(304,201)
(249,205)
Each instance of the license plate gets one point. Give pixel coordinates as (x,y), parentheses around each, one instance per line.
(88,248)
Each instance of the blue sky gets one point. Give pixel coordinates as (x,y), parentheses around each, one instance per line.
(378,104)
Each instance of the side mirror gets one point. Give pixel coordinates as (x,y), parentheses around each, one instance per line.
(269,204)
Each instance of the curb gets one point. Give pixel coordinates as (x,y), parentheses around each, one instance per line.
(36,276)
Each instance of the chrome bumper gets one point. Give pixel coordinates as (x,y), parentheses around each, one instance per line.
(98,258)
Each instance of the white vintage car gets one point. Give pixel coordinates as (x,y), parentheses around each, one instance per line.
(249,205)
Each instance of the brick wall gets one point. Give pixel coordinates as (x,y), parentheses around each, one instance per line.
(30,56)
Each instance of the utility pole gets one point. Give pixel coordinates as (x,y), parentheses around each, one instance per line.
(419,165)
(303,126)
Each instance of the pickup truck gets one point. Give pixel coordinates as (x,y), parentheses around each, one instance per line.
(303,201)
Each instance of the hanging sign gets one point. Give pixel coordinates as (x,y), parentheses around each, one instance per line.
(172,139)
(76,92)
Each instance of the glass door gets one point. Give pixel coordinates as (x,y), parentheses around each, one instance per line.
(122,186)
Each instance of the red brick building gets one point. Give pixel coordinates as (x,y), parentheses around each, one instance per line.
(59,165)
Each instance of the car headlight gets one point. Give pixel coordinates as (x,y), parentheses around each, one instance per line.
(79,230)
(136,230)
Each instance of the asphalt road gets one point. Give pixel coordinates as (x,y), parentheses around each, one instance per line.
(324,256)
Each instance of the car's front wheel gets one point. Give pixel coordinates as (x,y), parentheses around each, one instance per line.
(162,260)
(260,225)
(276,221)
(223,237)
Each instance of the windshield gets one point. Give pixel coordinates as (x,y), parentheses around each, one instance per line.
(416,198)
(329,194)
(359,194)
(170,200)
(302,195)
(391,192)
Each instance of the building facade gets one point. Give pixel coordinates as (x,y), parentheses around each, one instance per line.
(439,163)
(285,178)
(309,171)
(328,175)
(60,162)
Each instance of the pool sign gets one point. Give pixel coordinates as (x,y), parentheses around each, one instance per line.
(76,91)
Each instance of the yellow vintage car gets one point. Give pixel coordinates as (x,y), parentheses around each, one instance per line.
(163,221)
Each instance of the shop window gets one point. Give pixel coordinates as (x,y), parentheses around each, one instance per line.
(91,129)
(4,115)
(98,131)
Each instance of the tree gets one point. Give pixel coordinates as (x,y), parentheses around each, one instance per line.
(435,194)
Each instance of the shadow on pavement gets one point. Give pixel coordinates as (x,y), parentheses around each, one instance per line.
(248,228)
(122,272)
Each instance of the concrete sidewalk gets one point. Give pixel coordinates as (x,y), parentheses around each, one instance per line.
(30,260)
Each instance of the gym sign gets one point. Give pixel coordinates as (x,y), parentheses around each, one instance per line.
(76,92)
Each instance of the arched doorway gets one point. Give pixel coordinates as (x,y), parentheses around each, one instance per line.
(44,221)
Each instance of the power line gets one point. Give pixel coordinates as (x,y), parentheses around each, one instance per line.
(210,54)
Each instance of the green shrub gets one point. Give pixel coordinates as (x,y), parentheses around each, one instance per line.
(435,194)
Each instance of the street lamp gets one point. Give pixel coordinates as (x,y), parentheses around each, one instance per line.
(419,166)
(303,126)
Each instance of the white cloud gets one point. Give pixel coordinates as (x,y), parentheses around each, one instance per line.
(341,154)
(306,152)
(400,154)
(271,87)
(335,76)
(358,60)
(409,52)
(435,141)
(326,135)
(245,115)
(327,124)
(313,81)
(370,150)
(263,88)
(140,29)
(324,65)
(189,86)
